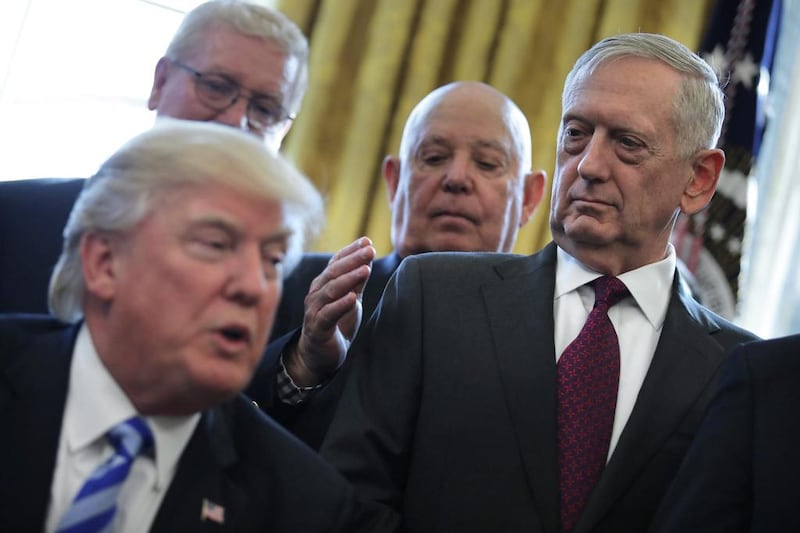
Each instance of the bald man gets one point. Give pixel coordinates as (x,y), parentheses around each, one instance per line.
(463,182)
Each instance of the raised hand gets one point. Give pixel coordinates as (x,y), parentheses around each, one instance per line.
(332,315)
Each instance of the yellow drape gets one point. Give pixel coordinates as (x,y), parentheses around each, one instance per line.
(373,60)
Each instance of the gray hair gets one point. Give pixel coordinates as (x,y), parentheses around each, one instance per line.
(175,153)
(699,107)
(251,18)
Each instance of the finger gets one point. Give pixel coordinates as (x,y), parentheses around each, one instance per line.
(353,281)
(321,326)
(354,246)
(343,265)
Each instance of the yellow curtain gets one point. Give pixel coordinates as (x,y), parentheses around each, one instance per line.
(373,60)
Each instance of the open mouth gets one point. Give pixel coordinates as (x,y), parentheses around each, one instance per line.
(236,334)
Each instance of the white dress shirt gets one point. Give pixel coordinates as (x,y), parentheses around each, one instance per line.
(638,320)
(95,404)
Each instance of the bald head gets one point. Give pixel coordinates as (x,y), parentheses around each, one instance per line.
(463,179)
(483,102)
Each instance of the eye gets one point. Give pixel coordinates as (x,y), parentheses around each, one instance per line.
(273,257)
(573,139)
(433,159)
(572,133)
(487,165)
(273,265)
(267,110)
(217,87)
(630,142)
(215,244)
(631,149)
(210,243)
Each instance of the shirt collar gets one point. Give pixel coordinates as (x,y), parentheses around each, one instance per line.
(650,285)
(100,404)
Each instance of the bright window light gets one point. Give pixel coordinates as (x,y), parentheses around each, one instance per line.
(74,80)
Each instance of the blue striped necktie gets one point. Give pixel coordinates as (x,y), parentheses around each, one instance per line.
(94,507)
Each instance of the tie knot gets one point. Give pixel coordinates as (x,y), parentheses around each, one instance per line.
(131,437)
(608,291)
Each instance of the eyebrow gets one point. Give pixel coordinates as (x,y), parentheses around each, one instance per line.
(278,237)
(218,71)
(480,143)
(492,145)
(617,126)
(223,224)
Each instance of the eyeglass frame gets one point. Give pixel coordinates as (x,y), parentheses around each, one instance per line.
(237,92)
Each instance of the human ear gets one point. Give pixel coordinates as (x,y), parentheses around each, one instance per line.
(391,175)
(706,168)
(533,189)
(159,79)
(97,260)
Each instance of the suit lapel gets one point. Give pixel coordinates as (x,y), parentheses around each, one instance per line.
(201,475)
(685,361)
(36,386)
(523,302)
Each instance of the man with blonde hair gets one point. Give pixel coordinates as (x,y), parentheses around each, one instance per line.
(125,413)
(236,62)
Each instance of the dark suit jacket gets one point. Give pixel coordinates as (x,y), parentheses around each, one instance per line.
(264,478)
(741,473)
(33,214)
(308,422)
(449,413)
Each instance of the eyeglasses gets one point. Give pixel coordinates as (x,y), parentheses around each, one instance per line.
(219,92)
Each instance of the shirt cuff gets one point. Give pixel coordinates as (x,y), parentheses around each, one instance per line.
(288,391)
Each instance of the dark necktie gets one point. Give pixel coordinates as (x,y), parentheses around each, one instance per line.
(588,379)
(94,507)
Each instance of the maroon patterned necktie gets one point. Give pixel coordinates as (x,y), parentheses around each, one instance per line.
(588,379)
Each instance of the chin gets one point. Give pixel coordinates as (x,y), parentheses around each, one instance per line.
(455,243)
(222,384)
(588,231)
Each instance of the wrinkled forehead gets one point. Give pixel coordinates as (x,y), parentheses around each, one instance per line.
(634,85)
(226,203)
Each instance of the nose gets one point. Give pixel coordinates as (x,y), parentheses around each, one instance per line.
(594,164)
(235,115)
(247,281)
(458,178)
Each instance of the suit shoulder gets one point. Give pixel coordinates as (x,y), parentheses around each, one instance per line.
(735,330)
(727,332)
(776,356)
(18,328)
(462,269)
(29,192)
(17,331)
(460,260)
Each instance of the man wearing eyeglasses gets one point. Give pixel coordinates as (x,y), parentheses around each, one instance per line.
(236,63)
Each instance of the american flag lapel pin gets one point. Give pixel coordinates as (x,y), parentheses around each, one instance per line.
(212,512)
